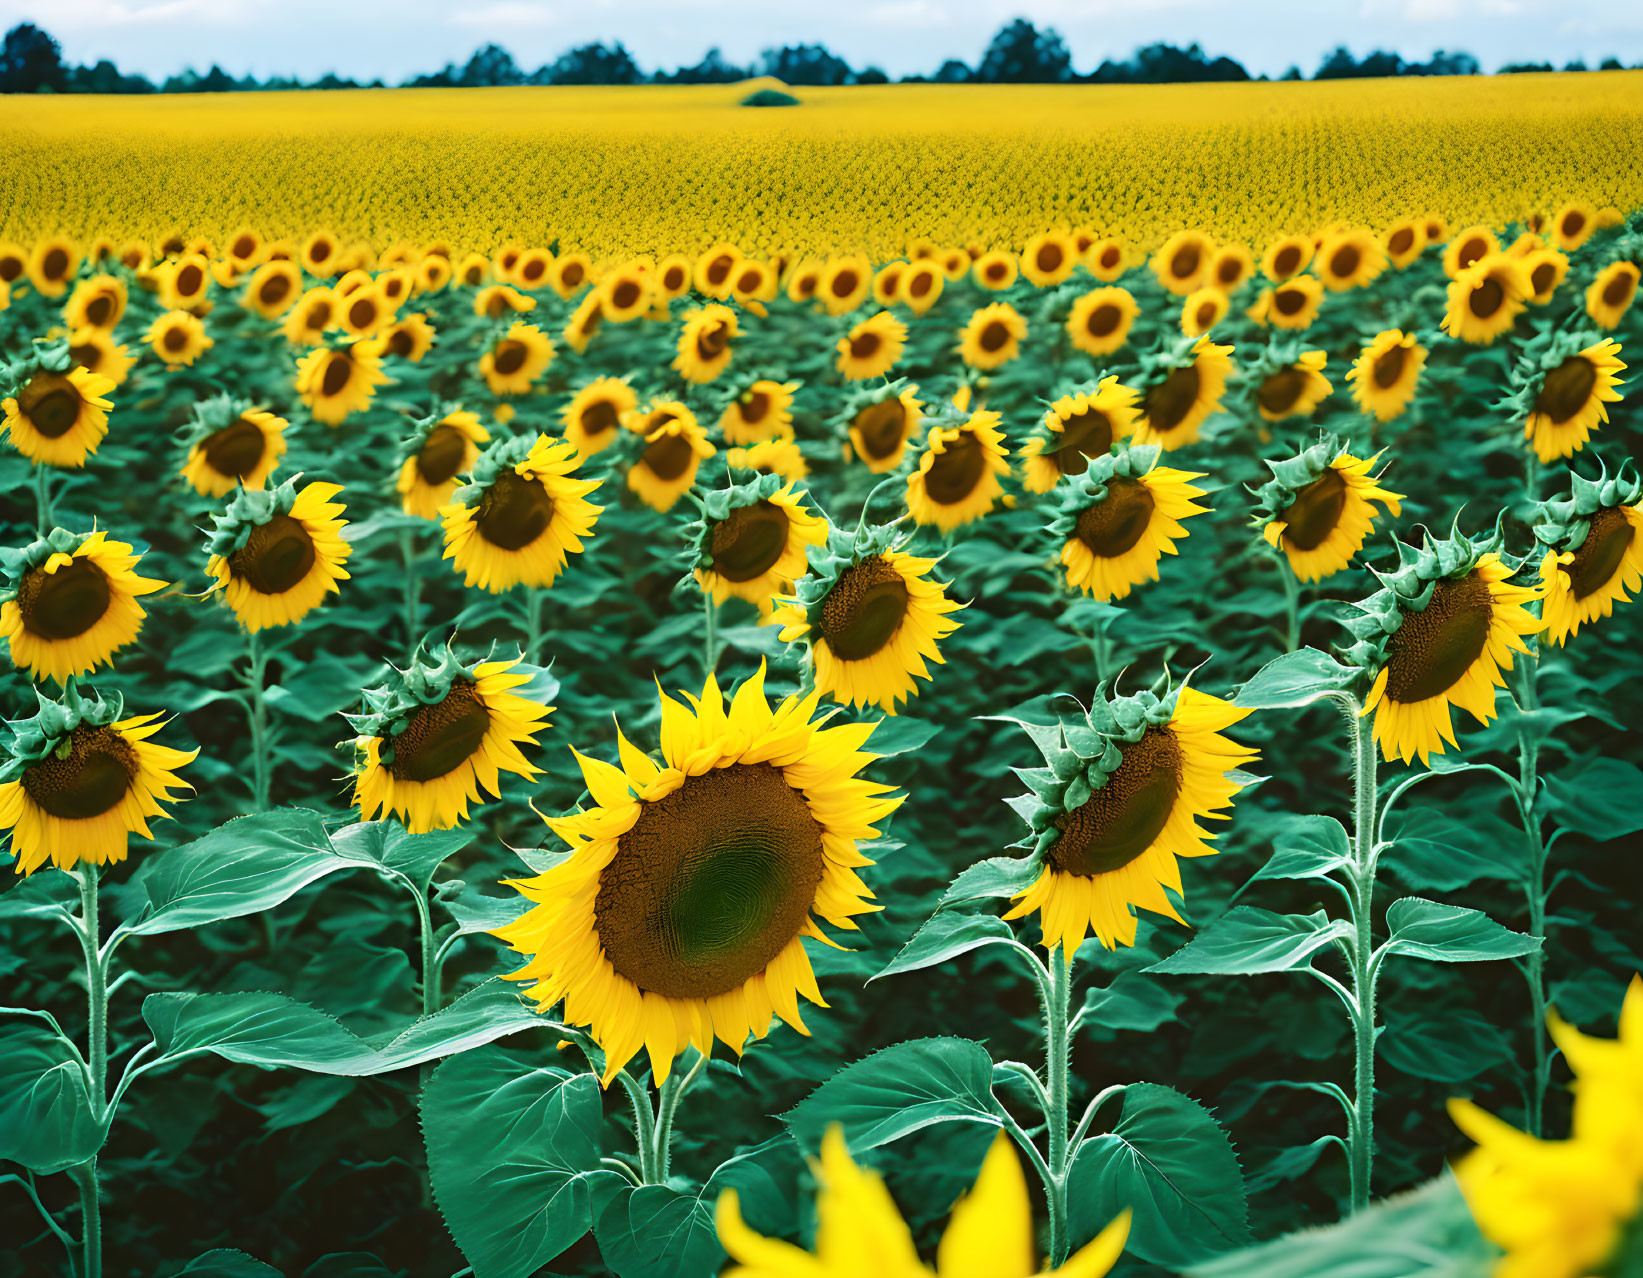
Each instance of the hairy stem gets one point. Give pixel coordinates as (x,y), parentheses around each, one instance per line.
(1057,1042)
(1292,605)
(673,1091)
(413,591)
(710,638)
(533,625)
(42,498)
(1361,1145)
(257,712)
(97,1060)
(1535,891)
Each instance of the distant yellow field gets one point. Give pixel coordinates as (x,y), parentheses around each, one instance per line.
(631,170)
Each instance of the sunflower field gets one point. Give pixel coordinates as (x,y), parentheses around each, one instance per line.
(1082,735)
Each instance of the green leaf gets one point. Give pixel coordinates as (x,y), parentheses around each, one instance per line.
(898,1091)
(1131,1002)
(476,912)
(1246,941)
(1599,799)
(900,735)
(1169,1162)
(350,1264)
(224,1263)
(390,846)
(945,936)
(1448,1045)
(995,877)
(39,896)
(512,1152)
(1450,934)
(1442,853)
(46,1122)
(244,867)
(1307,847)
(1295,679)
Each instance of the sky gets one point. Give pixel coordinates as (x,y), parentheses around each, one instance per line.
(392,39)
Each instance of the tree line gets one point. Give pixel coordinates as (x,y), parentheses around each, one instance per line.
(31,61)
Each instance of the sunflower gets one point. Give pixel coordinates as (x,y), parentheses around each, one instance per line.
(1594,552)
(1181,385)
(753,283)
(246,250)
(1384,375)
(770,457)
(1563,389)
(81,779)
(593,418)
(276,553)
(1320,507)
(1438,635)
(625,294)
(762,411)
(956,480)
(1099,321)
(859,1230)
(1115,521)
(992,337)
(437,736)
(337,382)
(440,447)
(364,311)
(567,275)
(52,265)
(1105,260)
(672,278)
(681,911)
(675,447)
(14,263)
(583,323)
(1611,293)
(1286,257)
(534,269)
(1182,264)
(396,287)
(1567,1208)
(1230,268)
(1292,305)
(1573,224)
(995,270)
(1468,248)
(881,421)
(97,352)
(1202,311)
(872,347)
(183,283)
(318,255)
(803,281)
(96,303)
(315,312)
(178,338)
(1485,299)
(70,602)
(273,289)
(409,339)
(1547,269)
(232,444)
(752,540)
(433,273)
(920,288)
(1289,382)
(473,270)
(58,413)
(1080,426)
(844,284)
(516,360)
(715,269)
(1404,241)
(1048,259)
(1129,783)
(1349,259)
(521,514)
(704,347)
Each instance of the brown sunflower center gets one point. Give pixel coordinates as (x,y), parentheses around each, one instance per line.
(1486,299)
(748,541)
(1619,290)
(864,345)
(997,270)
(673,279)
(598,417)
(190,280)
(54,411)
(439,738)
(718,270)
(318,318)
(11,267)
(1280,392)
(235,449)
(88,356)
(93,779)
(1315,511)
(1287,260)
(99,309)
(1230,271)
(244,247)
(1115,523)
(711,342)
(1389,367)
(276,556)
(1607,540)
(1050,258)
(1543,278)
(956,470)
(362,312)
(994,337)
(401,342)
(533,270)
(338,370)
(711,883)
(1169,402)
(1083,435)
(1567,389)
(1289,301)
(921,283)
(1122,819)
(1574,222)
(1344,261)
(441,454)
(881,428)
(1184,264)
(1103,321)
(509,357)
(1402,240)
(55,264)
(514,511)
(1471,251)
(864,610)
(1434,648)
(63,604)
(845,283)
(625,295)
(668,457)
(319,251)
(1109,259)
(755,406)
(176,338)
(571,274)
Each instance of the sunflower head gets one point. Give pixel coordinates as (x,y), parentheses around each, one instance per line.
(231,442)
(761,407)
(1181,382)
(277,552)
(664,449)
(435,451)
(55,412)
(1385,374)
(1592,549)
(1562,385)
(751,540)
(1083,424)
(1319,507)
(1286,380)
(592,419)
(958,477)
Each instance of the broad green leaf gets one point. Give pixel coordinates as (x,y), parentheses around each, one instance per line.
(1295,679)
(224,1263)
(46,1123)
(388,845)
(1245,941)
(1131,1002)
(1170,1163)
(1602,799)
(900,735)
(512,1150)
(1307,847)
(945,936)
(1291,1164)
(350,1264)
(1449,934)
(244,867)
(1452,1045)
(1440,852)
(995,877)
(898,1091)
(476,912)
(39,896)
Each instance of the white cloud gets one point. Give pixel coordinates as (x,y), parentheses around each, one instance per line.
(508,15)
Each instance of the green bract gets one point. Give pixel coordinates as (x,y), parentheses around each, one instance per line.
(209,416)
(503,455)
(48,730)
(1546,350)
(1291,475)
(829,561)
(15,564)
(390,704)
(47,357)
(410,443)
(1282,351)
(1563,523)
(716,507)
(246,510)
(1079,492)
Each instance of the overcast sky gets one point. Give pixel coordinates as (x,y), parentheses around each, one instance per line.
(396,38)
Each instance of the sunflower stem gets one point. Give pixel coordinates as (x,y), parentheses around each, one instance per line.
(1292,606)
(42,498)
(644,1124)
(673,1092)
(257,710)
(1057,1038)
(85,1173)
(533,625)
(413,592)
(1535,890)
(710,638)
(1361,1143)
(1101,646)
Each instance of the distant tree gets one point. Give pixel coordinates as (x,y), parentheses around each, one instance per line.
(1445,63)
(591,64)
(1576,64)
(105,78)
(712,69)
(31,61)
(1022,54)
(811,64)
(1610,64)
(871,75)
(953,71)
(491,66)
(1521,68)
(1341,65)
(1294,73)
(442,79)
(1167,64)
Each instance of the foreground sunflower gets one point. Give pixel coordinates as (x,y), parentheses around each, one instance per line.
(231,444)
(69,602)
(56,413)
(1439,635)
(276,553)
(752,540)
(681,911)
(704,347)
(439,448)
(1181,384)
(860,1232)
(871,615)
(1486,297)
(593,418)
(957,479)
(437,736)
(1319,507)
(1288,382)
(1128,784)
(1099,321)
(675,446)
(1567,1208)
(1115,521)
(1385,373)
(763,411)
(522,512)
(872,347)
(1562,387)
(1594,551)
(80,780)
(1081,425)
(336,383)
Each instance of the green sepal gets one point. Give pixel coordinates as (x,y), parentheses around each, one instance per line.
(18,563)
(47,356)
(715,508)
(246,510)
(418,430)
(1547,348)
(1563,523)
(502,455)
(1293,474)
(1079,492)
(48,730)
